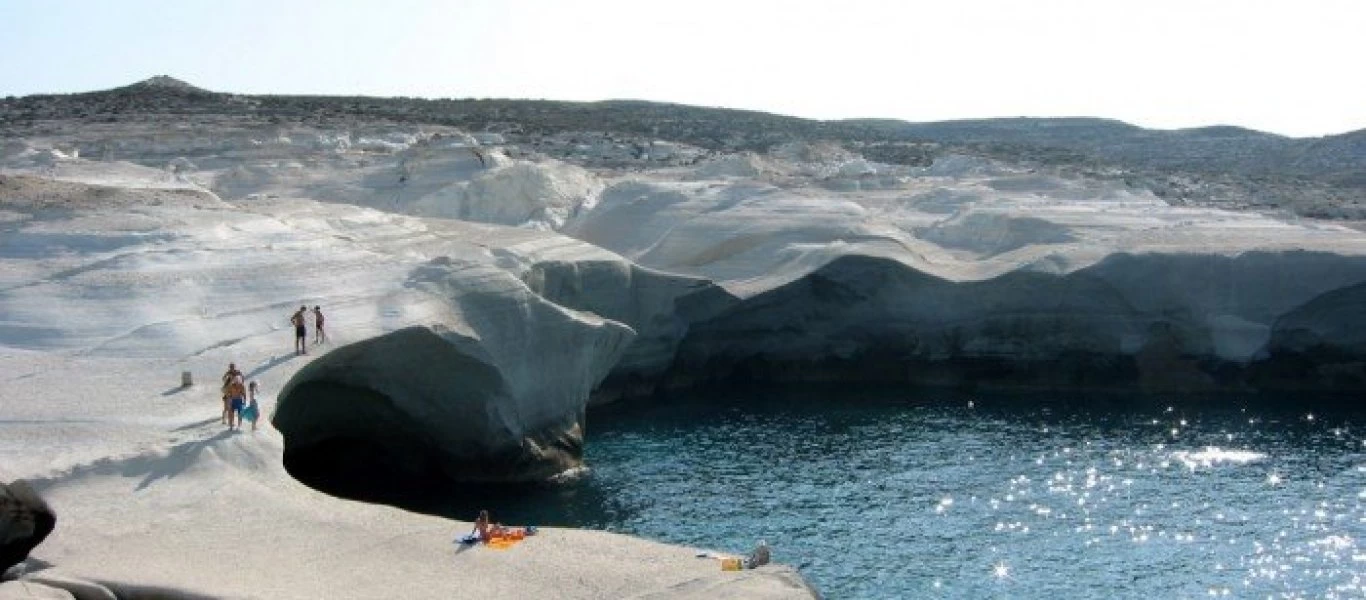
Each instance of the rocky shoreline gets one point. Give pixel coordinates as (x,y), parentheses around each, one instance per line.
(483,288)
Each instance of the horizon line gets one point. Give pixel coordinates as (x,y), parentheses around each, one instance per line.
(704,106)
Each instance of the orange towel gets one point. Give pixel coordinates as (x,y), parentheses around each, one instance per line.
(501,543)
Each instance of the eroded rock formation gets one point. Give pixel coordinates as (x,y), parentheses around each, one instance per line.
(490,384)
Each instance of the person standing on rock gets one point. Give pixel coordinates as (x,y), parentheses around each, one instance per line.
(237,398)
(319,336)
(228,376)
(252,411)
(300,331)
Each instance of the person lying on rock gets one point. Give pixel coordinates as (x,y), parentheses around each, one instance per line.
(485,530)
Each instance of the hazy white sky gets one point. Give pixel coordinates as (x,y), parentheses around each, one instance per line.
(1291,67)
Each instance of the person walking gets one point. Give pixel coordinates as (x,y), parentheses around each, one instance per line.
(300,331)
(319,336)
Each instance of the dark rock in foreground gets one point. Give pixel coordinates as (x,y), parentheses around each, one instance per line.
(25,521)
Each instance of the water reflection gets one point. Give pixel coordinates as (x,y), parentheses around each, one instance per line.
(889,493)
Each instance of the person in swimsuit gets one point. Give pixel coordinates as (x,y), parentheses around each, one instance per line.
(319,336)
(252,411)
(227,399)
(237,397)
(485,530)
(300,331)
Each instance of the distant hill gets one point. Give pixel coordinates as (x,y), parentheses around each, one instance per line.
(163,82)
(1337,161)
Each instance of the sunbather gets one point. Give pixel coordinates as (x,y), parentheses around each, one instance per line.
(485,530)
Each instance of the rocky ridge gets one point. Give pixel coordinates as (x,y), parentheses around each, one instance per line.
(747,254)
(1224,166)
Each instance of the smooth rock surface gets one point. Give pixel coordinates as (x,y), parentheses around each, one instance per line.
(114,291)
(132,253)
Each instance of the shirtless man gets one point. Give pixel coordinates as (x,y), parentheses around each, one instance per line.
(237,400)
(228,377)
(300,331)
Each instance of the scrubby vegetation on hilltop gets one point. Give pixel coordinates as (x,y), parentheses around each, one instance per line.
(1219,165)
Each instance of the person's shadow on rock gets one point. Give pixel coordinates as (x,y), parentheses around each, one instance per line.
(176,461)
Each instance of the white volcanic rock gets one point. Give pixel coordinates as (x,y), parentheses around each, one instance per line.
(660,307)
(744,164)
(460,348)
(32,590)
(989,233)
(225,276)
(108,294)
(432,171)
(53,164)
(539,195)
(492,388)
(987,264)
(753,224)
(958,165)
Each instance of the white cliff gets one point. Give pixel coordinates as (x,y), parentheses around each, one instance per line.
(480,295)
(446,355)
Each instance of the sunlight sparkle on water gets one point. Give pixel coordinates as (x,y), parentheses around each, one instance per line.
(943,505)
(1271,509)
(1212,456)
(1001,570)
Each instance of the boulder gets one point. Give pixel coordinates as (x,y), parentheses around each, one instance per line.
(25,520)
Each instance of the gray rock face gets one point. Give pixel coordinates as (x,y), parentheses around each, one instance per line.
(1152,322)
(1318,345)
(491,388)
(25,520)
(660,307)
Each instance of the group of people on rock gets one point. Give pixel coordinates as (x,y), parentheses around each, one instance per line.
(239,399)
(299,320)
(239,395)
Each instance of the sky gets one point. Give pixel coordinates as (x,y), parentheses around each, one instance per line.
(1288,67)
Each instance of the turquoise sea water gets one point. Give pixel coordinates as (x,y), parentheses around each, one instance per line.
(892,494)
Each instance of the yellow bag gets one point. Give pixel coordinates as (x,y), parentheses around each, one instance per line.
(732,564)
